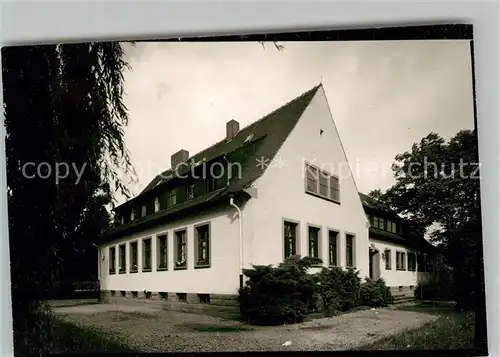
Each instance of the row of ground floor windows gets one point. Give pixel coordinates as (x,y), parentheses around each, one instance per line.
(202,252)
(290,230)
(404,261)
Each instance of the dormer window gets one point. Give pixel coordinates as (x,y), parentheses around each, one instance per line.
(132,215)
(190,192)
(157,204)
(122,219)
(143,211)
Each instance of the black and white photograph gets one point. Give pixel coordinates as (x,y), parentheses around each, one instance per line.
(308,191)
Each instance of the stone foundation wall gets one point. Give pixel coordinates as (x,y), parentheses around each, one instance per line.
(403,290)
(218,305)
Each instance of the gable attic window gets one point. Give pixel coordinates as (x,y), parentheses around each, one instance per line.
(157,204)
(321,183)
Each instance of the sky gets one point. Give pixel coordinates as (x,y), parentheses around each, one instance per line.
(384,96)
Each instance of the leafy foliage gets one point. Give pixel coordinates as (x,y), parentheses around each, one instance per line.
(375,293)
(438,283)
(283,294)
(62,105)
(276,295)
(338,289)
(437,183)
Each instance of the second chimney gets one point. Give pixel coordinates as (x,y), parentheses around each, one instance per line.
(232,128)
(179,157)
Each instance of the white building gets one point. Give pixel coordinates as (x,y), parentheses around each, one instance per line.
(252,199)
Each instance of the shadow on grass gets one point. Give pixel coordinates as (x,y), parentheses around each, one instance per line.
(451,331)
(220,329)
(69,338)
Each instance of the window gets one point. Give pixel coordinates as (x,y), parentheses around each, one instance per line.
(349,251)
(388,262)
(311,179)
(171,198)
(400,261)
(379,223)
(314,233)
(204,298)
(203,246)
(412,262)
(290,239)
(157,204)
(190,191)
(393,227)
(162,252)
(322,183)
(334,188)
(122,219)
(133,257)
(112,260)
(146,254)
(144,211)
(180,250)
(122,268)
(132,214)
(332,248)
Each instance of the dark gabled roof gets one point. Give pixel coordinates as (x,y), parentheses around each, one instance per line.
(370,205)
(367,200)
(269,133)
(274,128)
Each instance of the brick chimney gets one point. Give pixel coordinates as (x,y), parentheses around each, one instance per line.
(232,128)
(179,157)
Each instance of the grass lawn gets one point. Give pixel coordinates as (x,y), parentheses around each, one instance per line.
(56,336)
(451,330)
(68,338)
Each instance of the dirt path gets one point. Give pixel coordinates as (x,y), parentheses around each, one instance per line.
(151,330)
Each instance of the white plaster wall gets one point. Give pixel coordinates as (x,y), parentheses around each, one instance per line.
(281,193)
(395,277)
(221,278)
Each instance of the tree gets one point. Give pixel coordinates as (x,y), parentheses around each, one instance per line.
(437,182)
(63,109)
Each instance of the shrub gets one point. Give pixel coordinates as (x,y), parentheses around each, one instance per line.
(273,296)
(375,293)
(437,284)
(338,290)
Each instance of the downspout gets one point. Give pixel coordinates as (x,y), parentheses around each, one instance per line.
(240,241)
(98,272)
